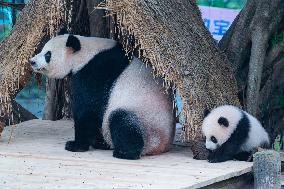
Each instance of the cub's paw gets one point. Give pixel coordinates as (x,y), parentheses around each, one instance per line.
(213,158)
(74,146)
(124,155)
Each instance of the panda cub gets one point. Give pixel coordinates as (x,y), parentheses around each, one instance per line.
(232,133)
(115,103)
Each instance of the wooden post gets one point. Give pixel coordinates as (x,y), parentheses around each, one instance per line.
(267,170)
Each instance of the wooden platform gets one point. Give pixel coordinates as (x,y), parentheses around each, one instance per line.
(35,158)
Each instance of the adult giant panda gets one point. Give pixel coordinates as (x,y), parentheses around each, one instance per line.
(114,103)
(232,133)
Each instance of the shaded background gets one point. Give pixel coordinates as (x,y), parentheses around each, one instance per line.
(217,16)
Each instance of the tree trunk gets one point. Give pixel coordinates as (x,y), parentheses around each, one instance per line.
(38,20)
(171,36)
(57,100)
(99,23)
(20,113)
(256,56)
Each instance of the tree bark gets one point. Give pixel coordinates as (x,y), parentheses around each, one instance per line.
(99,23)
(258,49)
(171,36)
(57,100)
(247,44)
(20,113)
(257,60)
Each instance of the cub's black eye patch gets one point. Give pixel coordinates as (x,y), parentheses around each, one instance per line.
(213,139)
(223,121)
(47,56)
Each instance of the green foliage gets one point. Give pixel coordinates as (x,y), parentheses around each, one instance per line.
(231,4)
(277,38)
(277,143)
(281,101)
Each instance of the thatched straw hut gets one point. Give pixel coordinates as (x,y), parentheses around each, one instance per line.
(38,21)
(171,36)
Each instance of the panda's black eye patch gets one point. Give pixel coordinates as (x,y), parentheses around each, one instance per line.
(213,139)
(223,121)
(47,56)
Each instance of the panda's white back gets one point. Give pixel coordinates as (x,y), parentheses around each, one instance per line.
(136,90)
(257,135)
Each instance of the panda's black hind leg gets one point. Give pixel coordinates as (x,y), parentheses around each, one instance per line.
(126,134)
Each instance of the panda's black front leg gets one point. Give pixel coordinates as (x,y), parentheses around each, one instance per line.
(81,142)
(88,133)
(224,153)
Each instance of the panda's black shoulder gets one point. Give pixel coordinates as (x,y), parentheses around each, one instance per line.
(93,82)
(107,64)
(241,132)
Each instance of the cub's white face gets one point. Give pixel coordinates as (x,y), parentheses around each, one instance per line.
(52,60)
(219,124)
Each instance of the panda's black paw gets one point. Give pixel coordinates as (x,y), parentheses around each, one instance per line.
(215,158)
(102,145)
(123,155)
(74,146)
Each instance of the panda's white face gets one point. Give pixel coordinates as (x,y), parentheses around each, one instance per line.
(52,60)
(64,54)
(219,124)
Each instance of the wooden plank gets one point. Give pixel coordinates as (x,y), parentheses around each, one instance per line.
(35,158)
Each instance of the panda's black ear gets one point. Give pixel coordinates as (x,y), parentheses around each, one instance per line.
(62,31)
(73,43)
(223,121)
(206,112)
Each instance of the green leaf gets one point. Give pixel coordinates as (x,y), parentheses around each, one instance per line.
(277,143)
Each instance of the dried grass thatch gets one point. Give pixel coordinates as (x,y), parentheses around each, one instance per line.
(172,37)
(39,20)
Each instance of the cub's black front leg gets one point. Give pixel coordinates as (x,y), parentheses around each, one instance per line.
(216,156)
(224,153)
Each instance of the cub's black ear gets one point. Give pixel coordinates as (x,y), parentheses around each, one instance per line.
(62,31)
(223,121)
(74,43)
(206,112)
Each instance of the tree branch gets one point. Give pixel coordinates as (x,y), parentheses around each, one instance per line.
(258,51)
